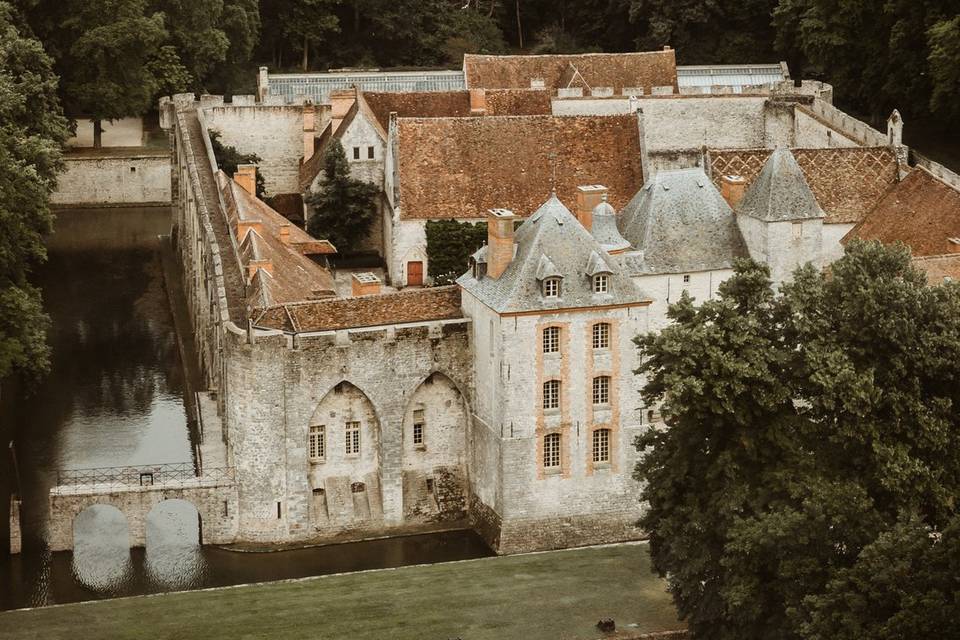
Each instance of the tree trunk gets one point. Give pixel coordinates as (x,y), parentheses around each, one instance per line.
(519,26)
(97,133)
(306,52)
(356,16)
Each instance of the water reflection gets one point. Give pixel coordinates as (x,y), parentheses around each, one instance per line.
(174,559)
(101,555)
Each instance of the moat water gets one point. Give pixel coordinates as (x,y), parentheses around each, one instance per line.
(115,396)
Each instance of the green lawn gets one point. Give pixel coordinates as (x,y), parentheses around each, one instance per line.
(554,596)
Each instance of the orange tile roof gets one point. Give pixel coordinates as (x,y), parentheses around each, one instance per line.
(454,104)
(461,167)
(617,70)
(921,211)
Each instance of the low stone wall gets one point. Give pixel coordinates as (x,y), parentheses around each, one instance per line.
(113,177)
(544,534)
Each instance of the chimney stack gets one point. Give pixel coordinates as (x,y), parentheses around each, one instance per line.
(246,177)
(588,197)
(364,284)
(499,241)
(254,265)
(478,102)
(285,233)
(732,189)
(309,130)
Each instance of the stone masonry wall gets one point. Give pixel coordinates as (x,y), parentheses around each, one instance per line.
(95,178)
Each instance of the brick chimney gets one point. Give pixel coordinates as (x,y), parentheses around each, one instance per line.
(246,177)
(284,233)
(588,197)
(478,102)
(364,284)
(253,265)
(499,241)
(246,226)
(732,189)
(309,130)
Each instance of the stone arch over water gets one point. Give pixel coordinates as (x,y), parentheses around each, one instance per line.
(174,534)
(101,548)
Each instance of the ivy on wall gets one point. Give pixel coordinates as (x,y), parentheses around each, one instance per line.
(449,246)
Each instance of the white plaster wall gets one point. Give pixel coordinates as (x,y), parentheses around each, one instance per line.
(716,122)
(590,106)
(666,289)
(810,133)
(135,179)
(777,245)
(124,132)
(273,133)
(444,434)
(409,244)
(832,249)
(333,412)
(363,135)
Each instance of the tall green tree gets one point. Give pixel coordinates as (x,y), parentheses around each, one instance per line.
(343,208)
(32,133)
(944,39)
(801,427)
(110,75)
(194,29)
(309,22)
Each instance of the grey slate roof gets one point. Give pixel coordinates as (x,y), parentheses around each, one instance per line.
(678,222)
(780,193)
(551,241)
(605,230)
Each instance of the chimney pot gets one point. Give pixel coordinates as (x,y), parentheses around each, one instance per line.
(732,189)
(309,130)
(588,197)
(499,241)
(246,177)
(285,233)
(478,102)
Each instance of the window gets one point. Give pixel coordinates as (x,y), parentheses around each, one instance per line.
(601,445)
(686,279)
(356,153)
(551,288)
(551,394)
(353,438)
(418,425)
(551,451)
(551,340)
(318,444)
(797,230)
(601,390)
(600,283)
(601,336)
(369,153)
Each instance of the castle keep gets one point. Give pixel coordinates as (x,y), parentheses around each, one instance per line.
(357,403)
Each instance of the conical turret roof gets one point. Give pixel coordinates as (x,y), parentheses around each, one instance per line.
(780,193)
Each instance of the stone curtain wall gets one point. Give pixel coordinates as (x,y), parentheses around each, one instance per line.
(131,177)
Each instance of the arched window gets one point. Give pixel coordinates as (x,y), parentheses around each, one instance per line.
(551,451)
(601,390)
(551,288)
(551,394)
(551,340)
(601,335)
(601,445)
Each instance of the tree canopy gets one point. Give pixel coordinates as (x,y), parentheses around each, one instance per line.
(344,207)
(809,432)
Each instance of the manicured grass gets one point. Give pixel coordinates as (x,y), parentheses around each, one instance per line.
(553,596)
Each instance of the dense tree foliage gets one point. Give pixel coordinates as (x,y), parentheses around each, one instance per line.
(809,434)
(32,132)
(449,246)
(344,207)
(228,159)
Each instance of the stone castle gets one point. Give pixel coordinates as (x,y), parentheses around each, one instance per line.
(359,402)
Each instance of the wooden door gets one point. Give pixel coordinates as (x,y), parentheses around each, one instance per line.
(414,274)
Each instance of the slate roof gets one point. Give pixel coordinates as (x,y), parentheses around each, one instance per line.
(604,228)
(921,211)
(551,242)
(678,222)
(780,193)
(646,69)
(462,167)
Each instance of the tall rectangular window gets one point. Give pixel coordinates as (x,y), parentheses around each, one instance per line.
(356,153)
(370,153)
(551,340)
(418,426)
(601,445)
(317,444)
(601,390)
(551,451)
(600,283)
(551,394)
(601,335)
(551,288)
(353,438)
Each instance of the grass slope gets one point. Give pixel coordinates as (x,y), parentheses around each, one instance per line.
(557,595)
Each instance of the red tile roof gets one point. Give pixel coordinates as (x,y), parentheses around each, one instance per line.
(461,167)
(453,104)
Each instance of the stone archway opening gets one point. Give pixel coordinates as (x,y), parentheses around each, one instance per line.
(101,549)
(174,535)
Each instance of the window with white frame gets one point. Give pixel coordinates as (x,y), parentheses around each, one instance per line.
(317,444)
(551,288)
(601,390)
(601,335)
(551,340)
(353,438)
(419,424)
(601,283)
(601,445)
(551,394)
(551,451)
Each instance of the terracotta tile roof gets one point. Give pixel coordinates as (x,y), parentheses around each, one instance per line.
(939,269)
(455,104)
(616,70)
(287,274)
(403,307)
(462,167)
(847,181)
(518,102)
(921,211)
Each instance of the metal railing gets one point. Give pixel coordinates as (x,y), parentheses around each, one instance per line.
(168,475)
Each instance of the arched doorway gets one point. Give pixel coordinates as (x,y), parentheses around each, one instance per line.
(434,451)
(343,450)
(174,559)
(101,549)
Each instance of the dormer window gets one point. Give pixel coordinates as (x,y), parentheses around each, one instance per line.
(551,288)
(601,283)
